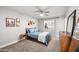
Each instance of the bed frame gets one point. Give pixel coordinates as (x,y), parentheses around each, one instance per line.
(36,39)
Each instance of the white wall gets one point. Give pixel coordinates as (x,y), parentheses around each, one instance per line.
(59,25)
(10,34)
(41,25)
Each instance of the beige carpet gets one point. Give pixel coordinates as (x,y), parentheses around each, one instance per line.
(32,46)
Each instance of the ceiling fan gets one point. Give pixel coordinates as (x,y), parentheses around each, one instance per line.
(42,12)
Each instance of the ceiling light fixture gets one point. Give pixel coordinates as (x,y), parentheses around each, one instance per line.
(41,14)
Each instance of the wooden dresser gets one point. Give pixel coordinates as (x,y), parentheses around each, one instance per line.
(74,45)
(65,45)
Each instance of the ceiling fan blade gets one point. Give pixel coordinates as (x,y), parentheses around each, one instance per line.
(46,11)
(38,12)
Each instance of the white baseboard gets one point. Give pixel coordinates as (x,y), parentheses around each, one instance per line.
(5,45)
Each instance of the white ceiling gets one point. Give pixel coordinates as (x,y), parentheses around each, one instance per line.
(55,11)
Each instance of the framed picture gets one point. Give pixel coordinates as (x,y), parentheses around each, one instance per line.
(17,22)
(10,22)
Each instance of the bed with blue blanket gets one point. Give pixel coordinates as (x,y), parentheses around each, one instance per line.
(39,36)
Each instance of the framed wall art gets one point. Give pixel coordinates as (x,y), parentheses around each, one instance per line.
(17,22)
(10,22)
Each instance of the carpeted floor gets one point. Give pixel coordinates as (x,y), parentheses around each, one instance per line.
(32,46)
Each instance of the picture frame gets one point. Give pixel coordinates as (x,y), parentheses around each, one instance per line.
(10,22)
(17,22)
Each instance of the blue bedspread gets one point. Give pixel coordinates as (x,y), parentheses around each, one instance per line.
(34,34)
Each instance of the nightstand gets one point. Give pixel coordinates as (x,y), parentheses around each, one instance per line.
(22,36)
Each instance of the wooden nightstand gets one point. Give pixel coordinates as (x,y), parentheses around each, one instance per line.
(22,36)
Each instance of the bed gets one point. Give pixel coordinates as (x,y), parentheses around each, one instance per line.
(43,37)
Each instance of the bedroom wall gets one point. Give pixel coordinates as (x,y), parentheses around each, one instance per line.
(11,34)
(41,25)
(59,25)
